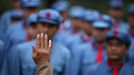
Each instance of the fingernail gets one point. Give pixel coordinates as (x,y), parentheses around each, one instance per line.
(38,35)
(46,36)
(50,43)
(42,35)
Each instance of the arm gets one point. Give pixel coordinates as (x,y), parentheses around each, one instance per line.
(41,55)
(44,69)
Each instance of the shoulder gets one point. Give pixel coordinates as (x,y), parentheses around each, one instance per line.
(99,69)
(14,27)
(130,67)
(127,69)
(92,70)
(1,43)
(59,48)
(86,46)
(24,46)
(6,13)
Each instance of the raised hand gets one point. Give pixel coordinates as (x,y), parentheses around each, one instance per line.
(42,50)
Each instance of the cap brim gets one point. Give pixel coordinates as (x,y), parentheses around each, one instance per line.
(47,21)
(101,27)
(31,5)
(114,7)
(116,37)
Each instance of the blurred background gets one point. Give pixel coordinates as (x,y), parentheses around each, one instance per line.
(20,24)
(101,5)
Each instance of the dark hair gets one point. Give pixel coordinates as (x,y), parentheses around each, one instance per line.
(121,40)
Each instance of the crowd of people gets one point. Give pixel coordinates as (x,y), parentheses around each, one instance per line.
(81,41)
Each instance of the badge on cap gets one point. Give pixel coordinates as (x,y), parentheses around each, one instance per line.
(101,18)
(115,33)
(48,15)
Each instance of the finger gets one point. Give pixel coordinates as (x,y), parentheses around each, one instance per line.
(42,40)
(49,46)
(46,41)
(34,50)
(37,41)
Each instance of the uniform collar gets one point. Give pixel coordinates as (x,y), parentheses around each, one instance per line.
(85,37)
(74,31)
(110,65)
(24,24)
(121,66)
(95,44)
(104,65)
(27,38)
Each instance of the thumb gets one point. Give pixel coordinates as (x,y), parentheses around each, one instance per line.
(34,49)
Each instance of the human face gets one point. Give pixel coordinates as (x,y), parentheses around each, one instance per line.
(47,28)
(16,4)
(76,23)
(64,15)
(130,19)
(29,10)
(16,19)
(116,13)
(116,49)
(32,30)
(87,27)
(99,34)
